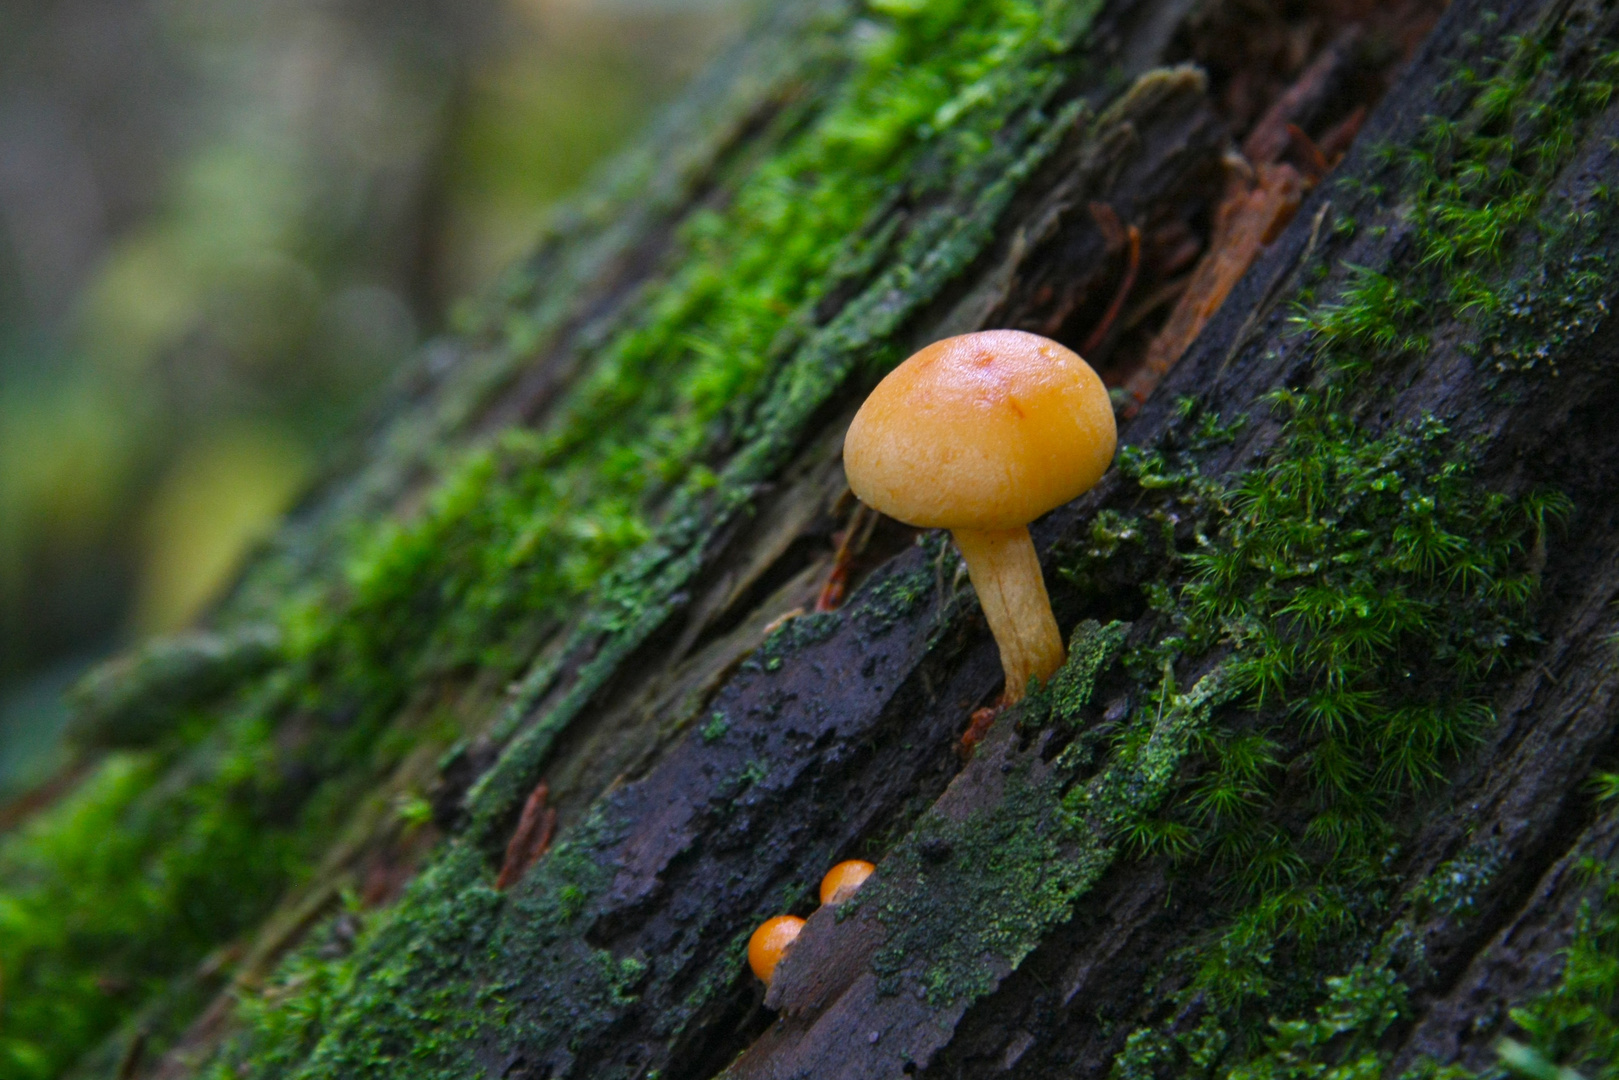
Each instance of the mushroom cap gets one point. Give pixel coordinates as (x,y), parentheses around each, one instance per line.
(982,431)
(843,879)
(769,944)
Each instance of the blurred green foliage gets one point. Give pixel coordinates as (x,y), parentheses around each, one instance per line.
(221,226)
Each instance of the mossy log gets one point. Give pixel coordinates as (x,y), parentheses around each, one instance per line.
(496,756)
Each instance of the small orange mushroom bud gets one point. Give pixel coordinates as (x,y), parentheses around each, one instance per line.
(770,943)
(843,879)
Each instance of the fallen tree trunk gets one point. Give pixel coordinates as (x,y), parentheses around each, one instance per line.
(493,763)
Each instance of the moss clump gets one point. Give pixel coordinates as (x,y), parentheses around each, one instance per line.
(716,727)
(1368,584)
(1090,647)
(1575,1025)
(1337,1039)
(126,883)
(1476,182)
(1361,590)
(1340,1039)
(329,1011)
(1563,303)
(425,984)
(1569,1030)
(884,603)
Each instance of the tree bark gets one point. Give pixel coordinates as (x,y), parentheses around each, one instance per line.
(1316,784)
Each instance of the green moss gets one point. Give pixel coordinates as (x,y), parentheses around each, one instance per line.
(1476,185)
(1090,648)
(126,882)
(1575,1025)
(1567,1031)
(884,603)
(1367,583)
(326,1015)
(39,946)
(1340,1040)
(1364,593)
(716,727)
(427,982)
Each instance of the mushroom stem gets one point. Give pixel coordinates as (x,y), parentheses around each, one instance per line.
(1006,575)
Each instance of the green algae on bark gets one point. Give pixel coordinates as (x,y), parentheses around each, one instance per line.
(954,893)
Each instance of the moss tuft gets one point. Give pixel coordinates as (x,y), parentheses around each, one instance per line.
(1090,648)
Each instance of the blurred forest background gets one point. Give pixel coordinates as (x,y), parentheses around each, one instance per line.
(222,223)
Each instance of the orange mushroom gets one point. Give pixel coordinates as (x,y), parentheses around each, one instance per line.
(843,879)
(770,943)
(981,434)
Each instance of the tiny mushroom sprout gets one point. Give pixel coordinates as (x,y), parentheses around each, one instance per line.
(770,943)
(981,434)
(843,879)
